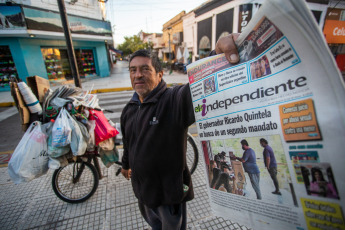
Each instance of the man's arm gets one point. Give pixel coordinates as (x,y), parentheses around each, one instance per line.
(240,159)
(268,160)
(185,113)
(125,171)
(244,157)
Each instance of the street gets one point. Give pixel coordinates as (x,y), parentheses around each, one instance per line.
(34,205)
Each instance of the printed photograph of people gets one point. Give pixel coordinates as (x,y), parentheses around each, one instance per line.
(255,167)
(260,68)
(209,85)
(318,180)
(302,156)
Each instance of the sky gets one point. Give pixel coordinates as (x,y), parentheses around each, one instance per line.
(128,17)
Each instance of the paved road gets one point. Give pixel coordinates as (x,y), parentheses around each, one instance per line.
(33,205)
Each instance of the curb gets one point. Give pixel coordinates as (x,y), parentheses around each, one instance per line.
(111,90)
(9,104)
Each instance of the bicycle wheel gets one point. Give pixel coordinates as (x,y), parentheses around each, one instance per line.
(76,182)
(192,153)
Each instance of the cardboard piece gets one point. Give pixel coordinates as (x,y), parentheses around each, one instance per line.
(23,110)
(240,178)
(39,86)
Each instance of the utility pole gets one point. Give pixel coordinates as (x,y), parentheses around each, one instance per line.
(169,28)
(69,43)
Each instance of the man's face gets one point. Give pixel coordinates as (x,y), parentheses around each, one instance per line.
(144,77)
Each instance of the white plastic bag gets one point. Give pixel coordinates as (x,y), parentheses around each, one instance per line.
(55,163)
(54,151)
(30,159)
(91,124)
(78,143)
(61,133)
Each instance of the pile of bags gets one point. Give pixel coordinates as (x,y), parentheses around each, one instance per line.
(70,123)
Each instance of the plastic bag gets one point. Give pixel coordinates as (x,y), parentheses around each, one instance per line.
(107,144)
(91,127)
(78,142)
(103,129)
(84,131)
(55,151)
(30,159)
(109,157)
(61,133)
(58,102)
(55,163)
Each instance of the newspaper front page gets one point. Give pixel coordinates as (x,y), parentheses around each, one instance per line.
(288,91)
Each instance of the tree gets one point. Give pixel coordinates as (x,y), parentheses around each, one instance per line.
(132,44)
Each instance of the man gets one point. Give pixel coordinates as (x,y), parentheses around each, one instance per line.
(270,163)
(249,163)
(154,127)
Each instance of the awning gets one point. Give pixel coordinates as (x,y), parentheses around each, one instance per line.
(115,50)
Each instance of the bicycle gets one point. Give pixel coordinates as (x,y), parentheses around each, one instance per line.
(78,181)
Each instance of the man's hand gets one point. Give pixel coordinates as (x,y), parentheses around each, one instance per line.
(127,173)
(227,46)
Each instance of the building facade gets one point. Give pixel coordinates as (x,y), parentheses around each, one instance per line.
(32,40)
(203,26)
(173,37)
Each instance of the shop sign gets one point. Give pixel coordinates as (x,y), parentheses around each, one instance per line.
(11,17)
(77,26)
(50,21)
(245,15)
(334,28)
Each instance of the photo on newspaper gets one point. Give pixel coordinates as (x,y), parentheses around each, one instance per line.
(271,127)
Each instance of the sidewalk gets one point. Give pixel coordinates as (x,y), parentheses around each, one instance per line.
(117,81)
(33,205)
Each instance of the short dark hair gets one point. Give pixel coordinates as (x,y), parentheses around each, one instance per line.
(264,141)
(156,63)
(244,142)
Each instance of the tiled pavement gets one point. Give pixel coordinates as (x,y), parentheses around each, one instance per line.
(34,205)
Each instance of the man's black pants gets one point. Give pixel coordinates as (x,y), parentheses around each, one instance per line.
(165,217)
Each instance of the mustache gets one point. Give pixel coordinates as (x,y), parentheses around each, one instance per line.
(139,81)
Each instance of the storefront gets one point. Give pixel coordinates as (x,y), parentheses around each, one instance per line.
(33,43)
(58,67)
(7,67)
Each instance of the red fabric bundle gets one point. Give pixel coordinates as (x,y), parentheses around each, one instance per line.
(103,129)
